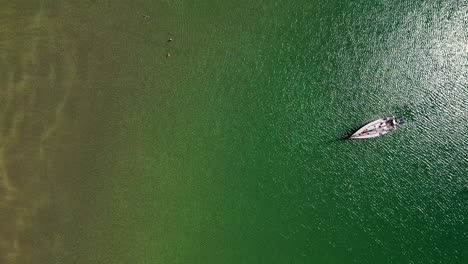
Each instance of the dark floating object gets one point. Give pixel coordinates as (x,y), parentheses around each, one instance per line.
(378,127)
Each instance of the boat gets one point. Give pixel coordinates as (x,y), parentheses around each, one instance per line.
(378,127)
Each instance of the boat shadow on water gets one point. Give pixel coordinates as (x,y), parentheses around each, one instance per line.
(345,136)
(349,132)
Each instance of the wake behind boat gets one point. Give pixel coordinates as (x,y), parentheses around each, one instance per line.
(378,127)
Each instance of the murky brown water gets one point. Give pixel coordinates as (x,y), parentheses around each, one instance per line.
(56,93)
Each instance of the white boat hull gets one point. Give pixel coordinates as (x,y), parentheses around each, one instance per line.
(375,128)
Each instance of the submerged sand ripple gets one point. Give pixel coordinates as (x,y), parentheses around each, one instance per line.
(32,101)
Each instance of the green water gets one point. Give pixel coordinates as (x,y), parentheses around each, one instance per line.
(230,150)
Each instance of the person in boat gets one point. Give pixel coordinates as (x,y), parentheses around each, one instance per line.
(391,124)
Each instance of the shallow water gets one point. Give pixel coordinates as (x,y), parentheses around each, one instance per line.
(230,150)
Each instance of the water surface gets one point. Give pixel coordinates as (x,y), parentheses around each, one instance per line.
(230,150)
